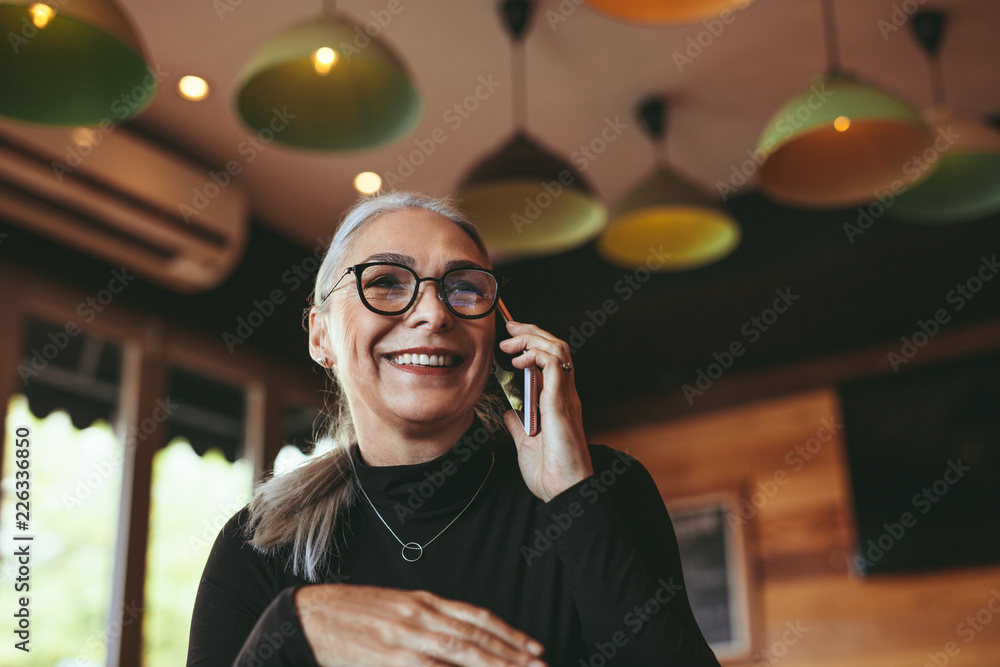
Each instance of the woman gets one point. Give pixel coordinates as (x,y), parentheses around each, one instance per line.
(430,533)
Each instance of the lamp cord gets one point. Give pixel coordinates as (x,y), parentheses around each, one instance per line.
(830,35)
(519,89)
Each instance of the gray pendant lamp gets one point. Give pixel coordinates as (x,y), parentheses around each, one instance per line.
(525,200)
(840,141)
(966,184)
(668,213)
(340,95)
(71,63)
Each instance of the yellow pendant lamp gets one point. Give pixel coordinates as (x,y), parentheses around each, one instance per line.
(665,11)
(525,200)
(667,223)
(71,63)
(327,85)
(966,184)
(841,142)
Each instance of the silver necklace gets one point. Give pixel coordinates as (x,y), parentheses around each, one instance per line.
(413,546)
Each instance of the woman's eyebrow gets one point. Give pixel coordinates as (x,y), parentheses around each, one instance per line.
(463,264)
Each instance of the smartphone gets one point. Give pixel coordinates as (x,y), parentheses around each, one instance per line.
(520,386)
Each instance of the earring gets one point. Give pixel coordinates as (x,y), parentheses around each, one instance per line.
(321,361)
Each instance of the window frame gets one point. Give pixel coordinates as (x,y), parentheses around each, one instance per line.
(150,346)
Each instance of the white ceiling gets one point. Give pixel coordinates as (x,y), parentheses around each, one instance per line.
(581,72)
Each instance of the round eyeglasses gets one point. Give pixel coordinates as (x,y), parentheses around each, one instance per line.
(390,289)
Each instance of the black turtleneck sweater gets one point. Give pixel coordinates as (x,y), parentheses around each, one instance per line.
(594,574)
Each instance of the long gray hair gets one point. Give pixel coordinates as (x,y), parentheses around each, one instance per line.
(299,509)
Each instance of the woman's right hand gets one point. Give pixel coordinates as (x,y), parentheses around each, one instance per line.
(350,625)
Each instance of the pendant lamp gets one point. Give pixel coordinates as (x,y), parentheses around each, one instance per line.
(686,226)
(338,88)
(525,200)
(841,142)
(665,11)
(966,184)
(71,63)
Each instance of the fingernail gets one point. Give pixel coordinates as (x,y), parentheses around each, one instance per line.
(536,663)
(535,648)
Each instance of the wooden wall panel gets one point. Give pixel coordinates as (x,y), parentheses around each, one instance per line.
(787,459)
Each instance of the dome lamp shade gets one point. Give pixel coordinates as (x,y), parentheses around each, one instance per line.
(839,143)
(667,223)
(334,95)
(526,201)
(665,11)
(71,63)
(966,184)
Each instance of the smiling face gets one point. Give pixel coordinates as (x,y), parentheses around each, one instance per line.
(387,382)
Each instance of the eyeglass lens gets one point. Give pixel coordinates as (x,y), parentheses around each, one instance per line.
(390,289)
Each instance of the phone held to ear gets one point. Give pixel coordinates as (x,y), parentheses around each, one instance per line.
(520,386)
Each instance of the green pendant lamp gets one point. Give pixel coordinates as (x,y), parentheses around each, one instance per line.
(841,142)
(966,184)
(525,200)
(665,11)
(340,89)
(70,63)
(667,213)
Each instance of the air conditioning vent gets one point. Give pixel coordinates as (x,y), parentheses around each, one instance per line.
(124,200)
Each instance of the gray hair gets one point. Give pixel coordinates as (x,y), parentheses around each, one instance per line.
(299,509)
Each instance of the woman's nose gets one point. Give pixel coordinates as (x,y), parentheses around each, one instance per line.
(430,306)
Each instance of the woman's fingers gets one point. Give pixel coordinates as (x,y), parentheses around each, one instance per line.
(485,625)
(361,625)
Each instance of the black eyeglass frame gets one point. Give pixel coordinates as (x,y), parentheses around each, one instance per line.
(358,269)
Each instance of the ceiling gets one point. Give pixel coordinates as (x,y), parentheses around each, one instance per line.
(584,69)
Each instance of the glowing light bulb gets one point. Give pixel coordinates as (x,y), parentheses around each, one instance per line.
(324,59)
(41,14)
(192,88)
(84,137)
(367,182)
(841,123)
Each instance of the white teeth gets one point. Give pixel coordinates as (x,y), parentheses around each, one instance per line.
(407,359)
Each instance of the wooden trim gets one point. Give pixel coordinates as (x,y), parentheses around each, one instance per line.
(793,378)
(144,382)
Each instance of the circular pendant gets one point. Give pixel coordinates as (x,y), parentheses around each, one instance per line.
(413,546)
